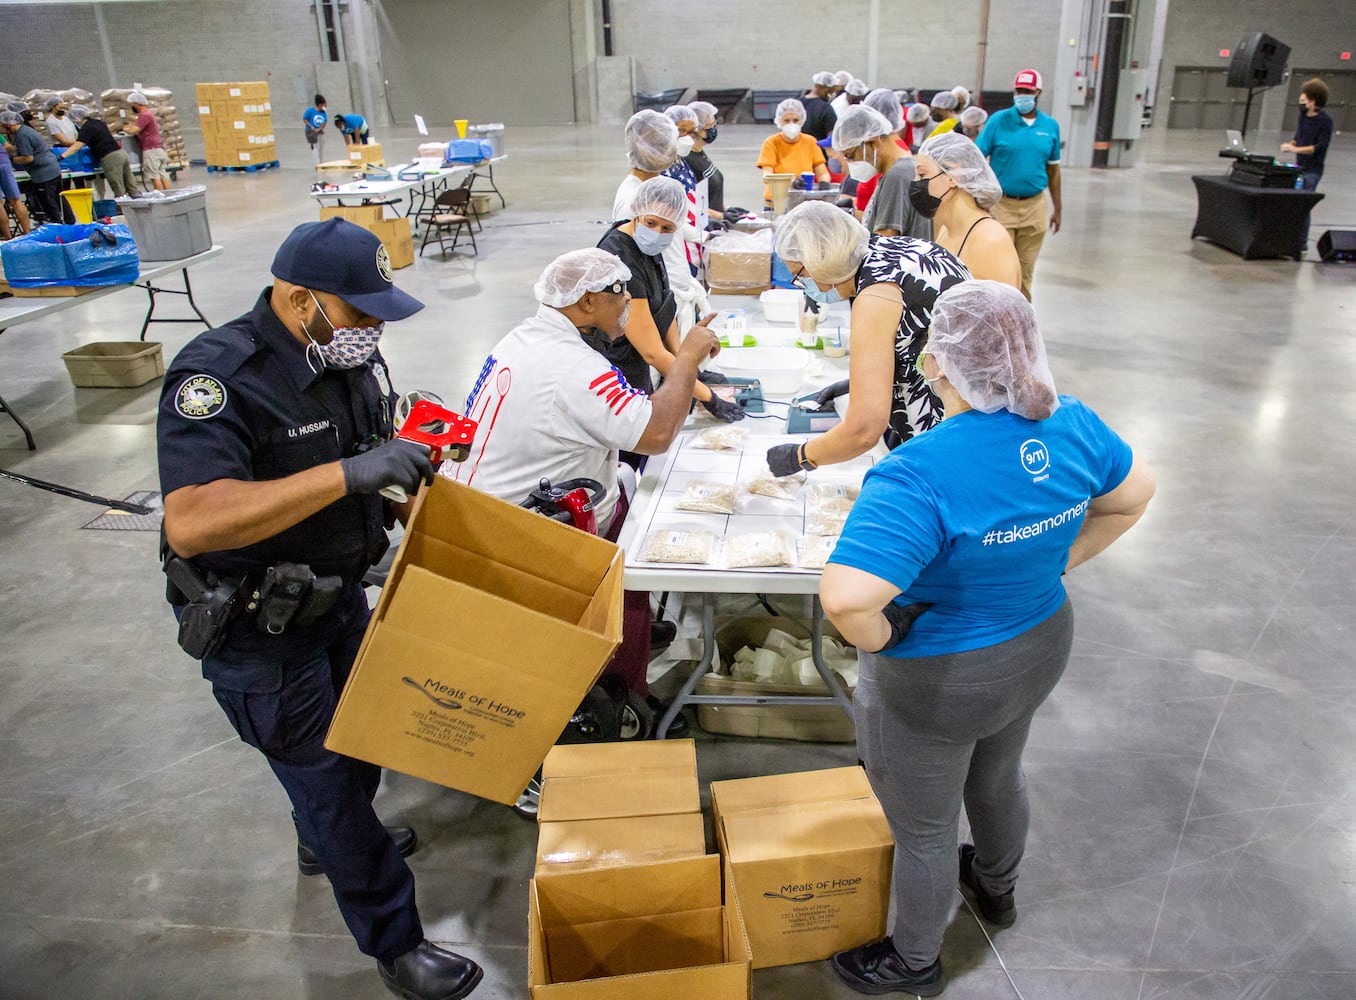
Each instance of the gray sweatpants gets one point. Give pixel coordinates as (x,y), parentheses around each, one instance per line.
(118,173)
(938,730)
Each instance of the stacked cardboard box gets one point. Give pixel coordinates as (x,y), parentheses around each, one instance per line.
(118,114)
(395,234)
(237,124)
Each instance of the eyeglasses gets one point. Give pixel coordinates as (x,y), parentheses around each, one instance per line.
(616,288)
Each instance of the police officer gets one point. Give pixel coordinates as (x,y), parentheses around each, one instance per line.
(274,439)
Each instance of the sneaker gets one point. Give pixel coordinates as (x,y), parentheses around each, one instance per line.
(877,969)
(998,910)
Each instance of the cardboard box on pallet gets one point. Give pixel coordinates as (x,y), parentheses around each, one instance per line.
(657,931)
(809,857)
(619,804)
(492,625)
(363,154)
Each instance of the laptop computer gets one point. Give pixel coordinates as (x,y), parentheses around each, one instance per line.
(1233,139)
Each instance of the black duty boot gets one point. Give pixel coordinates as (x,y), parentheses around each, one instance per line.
(877,969)
(405,840)
(430,973)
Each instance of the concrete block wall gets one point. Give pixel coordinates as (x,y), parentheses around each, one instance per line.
(1317,34)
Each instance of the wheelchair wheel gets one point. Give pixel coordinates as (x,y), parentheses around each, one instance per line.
(637,718)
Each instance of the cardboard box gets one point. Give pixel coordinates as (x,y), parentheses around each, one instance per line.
(809,856)
(654,931)
(742,269)
(363,154)
(255,155)
(493,624)
(619,804)
(395,234)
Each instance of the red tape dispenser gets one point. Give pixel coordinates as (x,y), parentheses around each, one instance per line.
(448,435)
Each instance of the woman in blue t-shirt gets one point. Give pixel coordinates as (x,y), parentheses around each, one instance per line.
(314,119)
(947,579)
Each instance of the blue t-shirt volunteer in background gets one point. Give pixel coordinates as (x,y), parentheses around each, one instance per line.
(976,517)
(314,119)
(1019,152)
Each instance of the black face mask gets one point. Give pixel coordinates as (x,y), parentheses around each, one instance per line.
(922,200)
(709,135)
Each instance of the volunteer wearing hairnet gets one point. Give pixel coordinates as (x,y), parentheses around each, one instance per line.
(791,151)
(60,129)
(943,106)
(867,142)
(972,121)
(852,93)
(819,114)
(887,103)
(917,117)
(9,190)
(700,162)
(962,96)
(947,580)
(651,149)
(892,283)
(106,150)
(652,332)
(29,151)
(549,406)
(955,187)
(687,247)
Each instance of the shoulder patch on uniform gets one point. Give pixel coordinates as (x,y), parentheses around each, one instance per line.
(200,397)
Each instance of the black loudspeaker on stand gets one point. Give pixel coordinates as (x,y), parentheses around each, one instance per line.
(1259,61)
(1338,245)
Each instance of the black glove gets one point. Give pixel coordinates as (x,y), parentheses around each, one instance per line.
(822,186)
(723,409)
(901,620)
(787,460)
(395,463)
(798,184)
(712,378)
(734,214)
(829,393)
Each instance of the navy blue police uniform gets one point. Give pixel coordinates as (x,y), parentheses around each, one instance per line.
(241,402)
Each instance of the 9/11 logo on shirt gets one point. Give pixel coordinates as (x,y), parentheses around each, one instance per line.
(614,390)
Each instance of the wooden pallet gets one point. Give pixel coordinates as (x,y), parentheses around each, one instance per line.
(252,168)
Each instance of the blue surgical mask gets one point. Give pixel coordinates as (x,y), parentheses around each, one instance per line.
(1024,103)
(651,243)
(816,294)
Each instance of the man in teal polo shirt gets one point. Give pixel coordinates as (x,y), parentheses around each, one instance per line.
(1022,145)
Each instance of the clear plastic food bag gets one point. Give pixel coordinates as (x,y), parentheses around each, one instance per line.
(723,438)
(708,498)
(824,522)
(816,550)
(765,484)
(691,546)
(761,549)
(835,497)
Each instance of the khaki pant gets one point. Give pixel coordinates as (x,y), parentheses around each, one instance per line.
(154,165)
(1026,220)
(118,174)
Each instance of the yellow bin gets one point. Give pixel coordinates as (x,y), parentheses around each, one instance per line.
(81,201)
(461,124)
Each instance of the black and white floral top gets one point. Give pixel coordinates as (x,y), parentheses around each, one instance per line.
(922,270)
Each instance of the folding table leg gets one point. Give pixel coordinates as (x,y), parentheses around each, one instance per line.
(699,671)
(151,291)
(6,408)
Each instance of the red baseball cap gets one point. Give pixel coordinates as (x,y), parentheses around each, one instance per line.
(1027,79)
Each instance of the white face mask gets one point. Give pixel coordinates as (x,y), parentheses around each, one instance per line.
(863,169)
(685,144)
(791,132)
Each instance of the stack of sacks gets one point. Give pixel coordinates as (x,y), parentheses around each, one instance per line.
(783,659)
(117,113)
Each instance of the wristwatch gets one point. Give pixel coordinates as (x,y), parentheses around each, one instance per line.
(803,459)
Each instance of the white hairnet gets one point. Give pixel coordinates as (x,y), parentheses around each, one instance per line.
(887,103)
(918,114)
(11,118)
(944,100)
(858,124)
(78,113)
(962,95)
(661,196)
(857,88)
(986,342)
(570,275)
(790,104)
(51,103)
(824,79)
(974,117)
(137,97)
(651,141)
(963,162)
(681,113)
(16,106)
(842,78)
(706,112)
(824,238)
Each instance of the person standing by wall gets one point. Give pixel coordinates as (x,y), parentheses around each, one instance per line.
(1022,144)
(1313,132)
(315,118)
(154,159)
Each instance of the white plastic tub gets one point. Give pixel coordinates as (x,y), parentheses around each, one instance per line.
(781,305)
(781,370)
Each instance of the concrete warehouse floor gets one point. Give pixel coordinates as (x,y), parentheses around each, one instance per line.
(1191,778)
